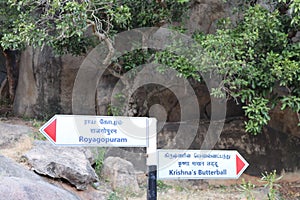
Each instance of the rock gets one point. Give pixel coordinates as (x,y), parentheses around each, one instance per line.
(135,155)
(9,168)
(296,38)
(69,163)
(10,134)
(121,174)
(16,182)
(45,83)
(204,14)
(285,121)
(14,188)
(101,193)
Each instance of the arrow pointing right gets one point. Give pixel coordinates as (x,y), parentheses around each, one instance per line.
(241,164)
(200,164)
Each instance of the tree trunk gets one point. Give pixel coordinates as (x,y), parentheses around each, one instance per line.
(12,70)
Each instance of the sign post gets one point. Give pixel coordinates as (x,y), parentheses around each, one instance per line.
(200,164)
(104,131)
(111,131)
(107,131)
(152,183)
(152,161)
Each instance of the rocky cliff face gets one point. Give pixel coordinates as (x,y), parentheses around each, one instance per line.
(46,82)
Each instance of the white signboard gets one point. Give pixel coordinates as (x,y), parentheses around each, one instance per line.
(199,164)
(98,130)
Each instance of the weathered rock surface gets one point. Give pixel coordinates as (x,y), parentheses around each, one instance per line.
(9,168)
(285,121)
(14,188)
(204,14)
(10,134)
(121,174)
(18,183)
(69,163)
(101,193)
(45,83)
(135,155)
(2,68)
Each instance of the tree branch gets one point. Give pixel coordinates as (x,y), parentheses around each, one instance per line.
(103,37)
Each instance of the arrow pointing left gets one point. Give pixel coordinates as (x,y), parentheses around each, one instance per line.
(49,129)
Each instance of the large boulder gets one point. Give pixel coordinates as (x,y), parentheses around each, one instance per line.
(14,188)
(9,168)
(285,121)
(69,163)
(11,133)
(121,174)
(18,183)
(45,83)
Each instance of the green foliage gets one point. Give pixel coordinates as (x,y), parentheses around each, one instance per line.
(63,24)
(161,186)
(134,59)
(257,112)
(99,160)
(153,13)
(294,6)
(247,189)
(258,63)
(59,24)
(36,135)
(38,23)
(116,108)
(255,57)
(113,110)
(270,180)
(114,196)
(178,62)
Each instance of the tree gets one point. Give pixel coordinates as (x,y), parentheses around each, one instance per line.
(257,58)
(63,25)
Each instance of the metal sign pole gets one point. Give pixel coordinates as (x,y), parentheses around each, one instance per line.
(152,161)
(152,184)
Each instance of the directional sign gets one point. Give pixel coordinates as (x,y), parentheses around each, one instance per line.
(199,164)
(98,130)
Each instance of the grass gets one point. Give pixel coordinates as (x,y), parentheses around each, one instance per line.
(161,186)
(270,181)
(36,135)
(114,196)
(247,189)
(99,160)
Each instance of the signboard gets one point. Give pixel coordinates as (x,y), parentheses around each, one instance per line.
(200,164)
(102,131)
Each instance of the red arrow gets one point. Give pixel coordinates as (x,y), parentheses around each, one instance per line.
(239,164)
(51,130)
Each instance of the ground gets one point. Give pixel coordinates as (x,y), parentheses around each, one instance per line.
(289,184)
